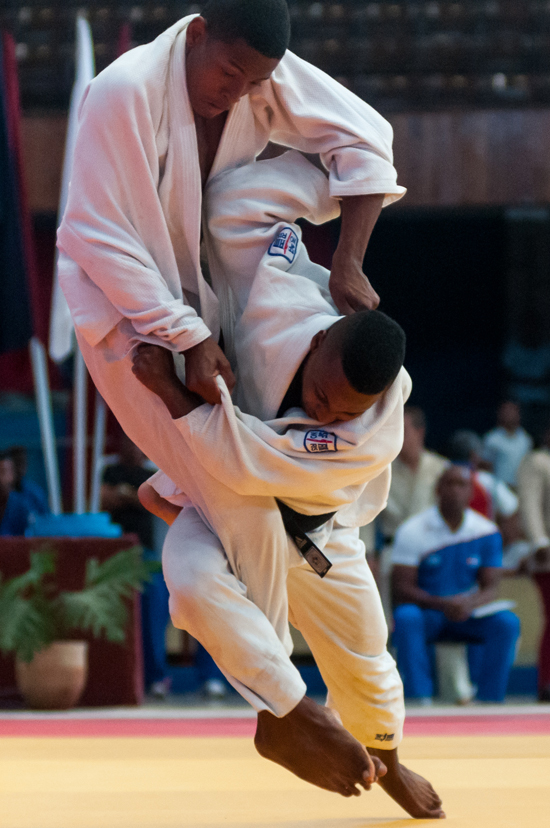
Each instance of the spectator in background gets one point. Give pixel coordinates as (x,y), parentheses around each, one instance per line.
(491,497)
(14,511)
(414,476)
(119,497)
(505,446)
(415,473)
(495,500)
(534,494)
(34,494)
(447,563)
(121,481)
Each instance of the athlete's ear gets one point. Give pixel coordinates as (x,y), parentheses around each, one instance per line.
(317,341)
(197,32)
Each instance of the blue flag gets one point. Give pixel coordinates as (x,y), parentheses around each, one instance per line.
(15,309)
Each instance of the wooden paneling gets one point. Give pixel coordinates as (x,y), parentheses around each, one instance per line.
(458,158)
(43,147)
(473,158)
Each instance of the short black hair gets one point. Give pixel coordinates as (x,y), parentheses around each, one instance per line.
(463,444)
(262,24)
(372,349)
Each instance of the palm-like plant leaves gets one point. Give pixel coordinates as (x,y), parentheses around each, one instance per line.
(27,617)
(32,616)
(100,606)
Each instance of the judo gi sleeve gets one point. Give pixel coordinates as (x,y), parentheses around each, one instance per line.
(310,111)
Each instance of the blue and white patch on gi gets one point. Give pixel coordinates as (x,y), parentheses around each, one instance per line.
(285,245)
(317,441)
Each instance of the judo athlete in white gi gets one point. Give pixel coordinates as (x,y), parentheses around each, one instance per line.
(206,96)
(288,366)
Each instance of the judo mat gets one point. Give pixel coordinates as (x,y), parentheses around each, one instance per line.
(61,771)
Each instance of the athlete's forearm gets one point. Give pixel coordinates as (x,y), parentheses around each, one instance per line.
(178,399)
(349,287)
(359,215)
(157,505)
(154,368)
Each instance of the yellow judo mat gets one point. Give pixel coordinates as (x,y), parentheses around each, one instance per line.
(83,782)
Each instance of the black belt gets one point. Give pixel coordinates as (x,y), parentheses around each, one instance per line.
(297,525)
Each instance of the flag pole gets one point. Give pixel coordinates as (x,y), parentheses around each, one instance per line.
(45,418)
(80,396)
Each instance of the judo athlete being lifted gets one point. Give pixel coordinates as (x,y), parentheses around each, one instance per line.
(332,391)
(207,95)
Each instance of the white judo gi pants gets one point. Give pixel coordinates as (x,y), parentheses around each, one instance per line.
(243,623)
(340,617)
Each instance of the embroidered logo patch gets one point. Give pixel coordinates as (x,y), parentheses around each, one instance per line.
(317,441)
(285,245)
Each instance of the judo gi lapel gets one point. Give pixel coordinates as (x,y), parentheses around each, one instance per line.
(237,144)
(236,148)
(185,191)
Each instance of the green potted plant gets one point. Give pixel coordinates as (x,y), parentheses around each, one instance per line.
(36,620)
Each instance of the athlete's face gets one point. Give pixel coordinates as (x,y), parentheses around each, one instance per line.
(327,396)
(218,73)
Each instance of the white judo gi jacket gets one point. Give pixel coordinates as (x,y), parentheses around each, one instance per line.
(257,252)
(130,237)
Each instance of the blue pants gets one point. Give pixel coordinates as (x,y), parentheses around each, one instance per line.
(417,629)
(154,620)
(206,666)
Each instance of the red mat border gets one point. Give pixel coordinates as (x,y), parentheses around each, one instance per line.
(495,725)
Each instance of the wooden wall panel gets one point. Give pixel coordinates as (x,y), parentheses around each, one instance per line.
(473,158)
(457,158)
(43,138)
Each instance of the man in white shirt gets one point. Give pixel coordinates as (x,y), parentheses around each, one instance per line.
(447,567)
(505,446)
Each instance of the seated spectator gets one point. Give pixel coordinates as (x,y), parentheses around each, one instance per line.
(447,565)
(14,512)
(534,494)
(506,445)
(34,494)
(414,476)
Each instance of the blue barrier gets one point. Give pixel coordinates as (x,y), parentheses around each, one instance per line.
(92,525)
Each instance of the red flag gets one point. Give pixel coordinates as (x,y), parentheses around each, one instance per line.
(124,42)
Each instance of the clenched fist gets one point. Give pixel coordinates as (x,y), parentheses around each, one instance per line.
(154,368)
(203,363)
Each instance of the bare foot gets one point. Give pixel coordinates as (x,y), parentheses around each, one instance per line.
(411,791)
(310,743)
